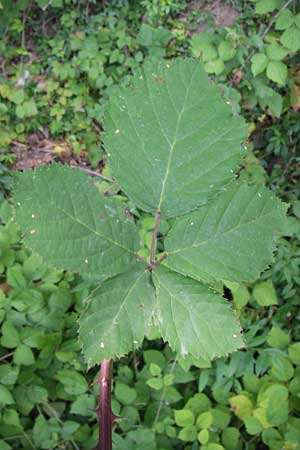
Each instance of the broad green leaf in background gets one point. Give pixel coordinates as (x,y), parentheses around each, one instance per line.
(232,238)
(291,38)
(259,63)
(273,399)
(240,294)
(276,52)
(184,417)
(74,383)
(5,396)
(226,51)
(294,353)
(216,66)
(284,20)
(277,72)
(118,316)
(66,220)
(172,140)
(265,6)
(242,406)
(192,318)
(264,293)
(278,338)
(230,438)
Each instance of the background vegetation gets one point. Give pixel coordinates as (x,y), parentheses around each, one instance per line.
(59,61)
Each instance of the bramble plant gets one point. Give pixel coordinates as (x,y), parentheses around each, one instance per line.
(175,148)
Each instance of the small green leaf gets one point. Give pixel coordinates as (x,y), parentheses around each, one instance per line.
(230,438)
(274,400)
(226,51)
(9,374)
(23,355)
(199,403)
(265,6)
(240,294)
(5,396)
(259,63)
(253,425)
(216,66)
(277,71)
(16,96)
(241,405)
(284,20)
(10,336)
(278,338)
(188,434)
(221,417)
(209,52)
(125,394)
(74,383)
(155,370)
(281,368)
(84,405)
(274,103)
(276,52)
(155,383)
(204,420)
(291,38)
(203,436)
(154,356)
(169,379)
(294,353)
(184,417)
(264,293)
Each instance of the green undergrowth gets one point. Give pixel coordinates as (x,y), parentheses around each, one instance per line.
(59,62)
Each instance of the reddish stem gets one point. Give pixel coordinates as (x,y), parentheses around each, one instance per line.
(104,413)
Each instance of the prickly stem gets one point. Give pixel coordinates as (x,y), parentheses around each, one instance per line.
(104,412)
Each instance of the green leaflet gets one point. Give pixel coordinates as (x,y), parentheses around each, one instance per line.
(118,316)
(66,220)
(172,140)
(231,238)
(192,318)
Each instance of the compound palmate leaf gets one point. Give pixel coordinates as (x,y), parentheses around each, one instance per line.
(118,317)
(66,220)
(193,319)
(173,145)
(171,138)
(231,238)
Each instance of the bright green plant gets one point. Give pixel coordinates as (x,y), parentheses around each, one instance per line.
(174,147)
